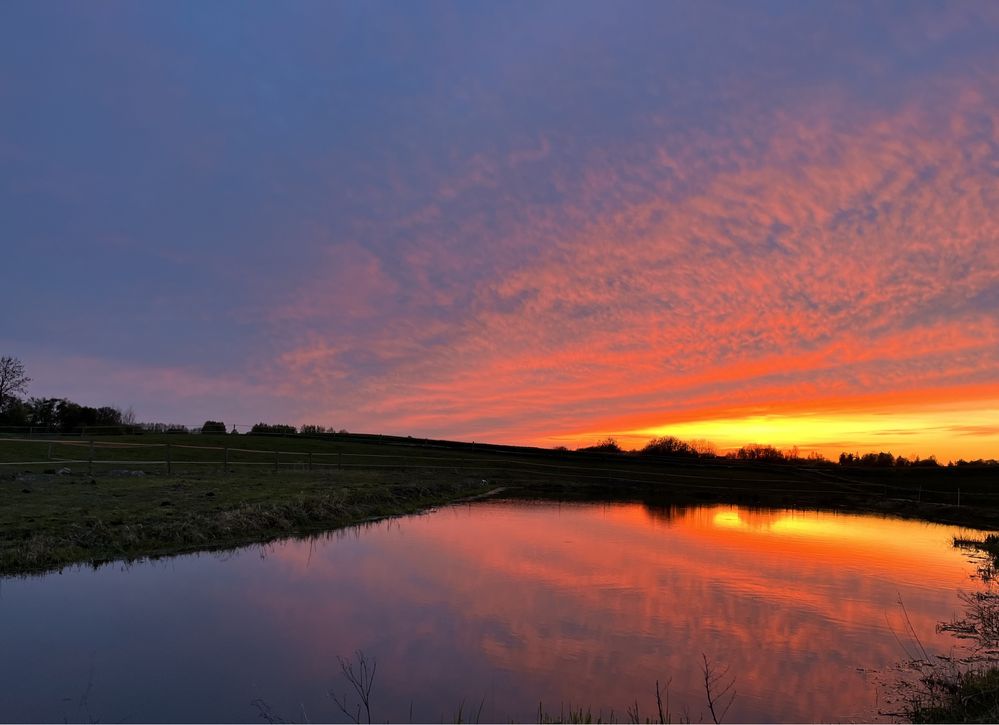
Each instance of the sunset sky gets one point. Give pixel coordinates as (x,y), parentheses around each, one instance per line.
(541,223)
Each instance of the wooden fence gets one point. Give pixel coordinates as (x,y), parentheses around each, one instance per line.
(173,459)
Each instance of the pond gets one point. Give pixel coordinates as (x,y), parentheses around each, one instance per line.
(493,607)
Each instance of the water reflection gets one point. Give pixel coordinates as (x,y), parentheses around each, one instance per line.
(507,602)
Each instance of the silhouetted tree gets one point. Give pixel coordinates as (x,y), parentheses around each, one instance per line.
(757,452)
(608,445)
(13,412)
(42,411)
(213,426)
(880,460)
(668,446)
(13,379)
(703,448)
(108,416)
(266,428)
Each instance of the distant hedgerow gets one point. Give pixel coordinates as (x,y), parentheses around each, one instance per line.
(268,429)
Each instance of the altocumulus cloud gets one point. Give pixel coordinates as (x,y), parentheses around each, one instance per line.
(521,224)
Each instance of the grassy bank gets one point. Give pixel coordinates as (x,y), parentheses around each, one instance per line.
(969,697)
(964,688)
(49,520)
(132,496)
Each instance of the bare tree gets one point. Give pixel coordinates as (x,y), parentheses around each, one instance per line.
(12,377)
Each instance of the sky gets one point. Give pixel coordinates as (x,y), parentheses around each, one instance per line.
(538,223)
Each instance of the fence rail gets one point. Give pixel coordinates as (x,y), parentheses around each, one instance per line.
(229,458)
(344,460)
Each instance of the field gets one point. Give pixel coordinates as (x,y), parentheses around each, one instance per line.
(65,501)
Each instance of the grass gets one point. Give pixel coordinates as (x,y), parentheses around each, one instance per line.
(964,688)
(988,545)
(969,697)
(49,521)
(359,673)
(276,487)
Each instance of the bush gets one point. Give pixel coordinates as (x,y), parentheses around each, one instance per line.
(213,427)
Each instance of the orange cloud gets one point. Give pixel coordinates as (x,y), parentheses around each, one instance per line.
(833,255)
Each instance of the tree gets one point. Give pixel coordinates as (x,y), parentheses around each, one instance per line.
(12,377)
(757,452)
(278,429)
(608,445)
(668,446)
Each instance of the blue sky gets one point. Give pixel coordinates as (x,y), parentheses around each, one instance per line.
(532,222)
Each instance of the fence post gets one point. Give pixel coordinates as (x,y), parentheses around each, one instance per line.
(276,454)
(50,450)
(225,463)
(168,461)
(339,461)
(30,431)
(310,460)
(90,460)
(958,497)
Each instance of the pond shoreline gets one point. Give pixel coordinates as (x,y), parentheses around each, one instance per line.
(756,590)
(51,521)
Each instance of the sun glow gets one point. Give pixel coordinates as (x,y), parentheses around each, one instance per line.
(950,432)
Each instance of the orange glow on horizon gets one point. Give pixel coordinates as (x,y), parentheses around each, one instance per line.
(966,429)
(817,288)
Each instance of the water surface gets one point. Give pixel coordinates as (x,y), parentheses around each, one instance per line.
(500,603)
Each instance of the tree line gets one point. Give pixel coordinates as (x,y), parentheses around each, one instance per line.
(671,446)
(65,416)
(60,414)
